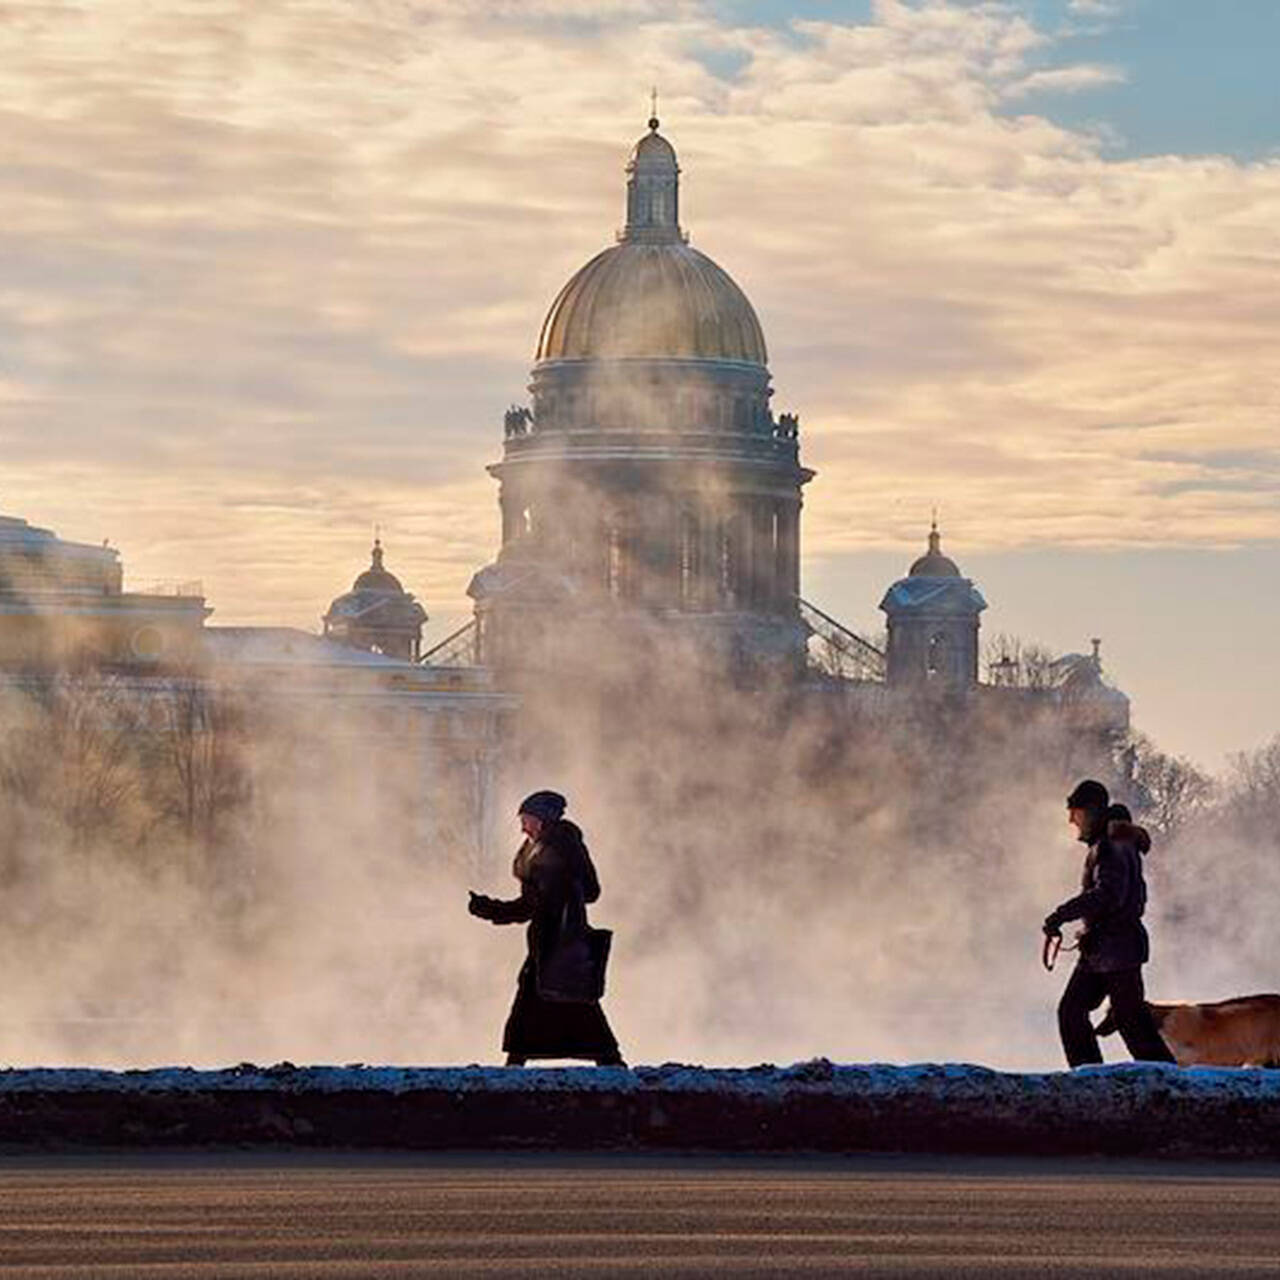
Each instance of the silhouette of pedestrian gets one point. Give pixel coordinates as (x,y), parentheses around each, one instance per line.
(557,1011)
(1114,945)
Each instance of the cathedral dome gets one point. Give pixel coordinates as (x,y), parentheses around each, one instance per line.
(651,296)
(652,299)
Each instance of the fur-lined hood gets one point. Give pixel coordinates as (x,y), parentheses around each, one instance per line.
(562,852)
(1129,833)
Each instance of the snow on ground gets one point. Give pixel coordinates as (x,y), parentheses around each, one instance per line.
(812,1106)
(953,1081)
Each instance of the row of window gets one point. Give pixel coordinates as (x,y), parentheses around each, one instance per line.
(650,205)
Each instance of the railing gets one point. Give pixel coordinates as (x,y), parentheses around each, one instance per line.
(616,440)
(845,652)
(457,649)
(192,589)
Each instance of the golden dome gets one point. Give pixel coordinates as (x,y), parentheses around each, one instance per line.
(652,296)
(654,300)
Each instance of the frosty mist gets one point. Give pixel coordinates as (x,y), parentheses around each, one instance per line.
(787,876)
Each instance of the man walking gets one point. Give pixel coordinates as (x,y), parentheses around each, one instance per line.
(1114,945)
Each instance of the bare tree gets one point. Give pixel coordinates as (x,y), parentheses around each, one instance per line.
(1015,663)
(200,737)
(1253,791)
(70,755)
(1169,790)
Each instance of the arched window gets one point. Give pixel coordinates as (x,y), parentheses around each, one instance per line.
(729,569)
(936,658)
(689,557)
(613,561)
(773,554)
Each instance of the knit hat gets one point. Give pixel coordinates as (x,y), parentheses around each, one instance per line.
(547,805)
(1089,795)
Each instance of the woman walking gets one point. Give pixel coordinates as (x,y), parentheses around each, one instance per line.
(557,1011)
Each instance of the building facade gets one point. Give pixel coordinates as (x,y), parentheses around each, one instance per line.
(64,603)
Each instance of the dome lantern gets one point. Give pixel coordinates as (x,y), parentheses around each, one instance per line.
(653,191)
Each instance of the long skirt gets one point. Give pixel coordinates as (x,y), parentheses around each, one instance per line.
(538,1028)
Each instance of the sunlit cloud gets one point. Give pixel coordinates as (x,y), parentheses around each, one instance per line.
(1095,8)
(1076,79)
(274,272)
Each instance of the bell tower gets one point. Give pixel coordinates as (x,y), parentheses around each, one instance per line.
(933,616)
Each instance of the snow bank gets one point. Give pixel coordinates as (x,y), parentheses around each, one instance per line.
(1130,1109)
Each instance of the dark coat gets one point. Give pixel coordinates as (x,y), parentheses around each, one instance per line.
(1112,901)
(557,880)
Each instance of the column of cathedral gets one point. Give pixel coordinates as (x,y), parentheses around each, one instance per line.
(788,552)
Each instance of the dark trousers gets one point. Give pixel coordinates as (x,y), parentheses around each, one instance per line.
(1085,991)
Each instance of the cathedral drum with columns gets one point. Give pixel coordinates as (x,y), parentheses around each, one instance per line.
(650,476)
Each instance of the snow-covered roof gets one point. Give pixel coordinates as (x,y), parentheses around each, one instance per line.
(933,596)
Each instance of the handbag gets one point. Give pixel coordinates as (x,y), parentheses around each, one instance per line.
(573,970)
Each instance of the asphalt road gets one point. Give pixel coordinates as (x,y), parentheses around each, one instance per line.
(324,1217)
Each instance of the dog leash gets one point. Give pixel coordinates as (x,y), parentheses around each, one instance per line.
(1051,948)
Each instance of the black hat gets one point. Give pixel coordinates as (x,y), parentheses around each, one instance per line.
(547,805)
(1089,795)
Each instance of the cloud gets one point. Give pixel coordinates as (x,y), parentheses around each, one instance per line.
(1095,8)
(1074,79)
(273,273)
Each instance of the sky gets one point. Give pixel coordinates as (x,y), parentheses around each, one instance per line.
(270,275)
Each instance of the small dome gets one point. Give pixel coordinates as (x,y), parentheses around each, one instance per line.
(377,593)
(377,614)
(653,300)
(933,564)
(375,577)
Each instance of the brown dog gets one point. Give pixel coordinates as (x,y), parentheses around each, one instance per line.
(1244,1032)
